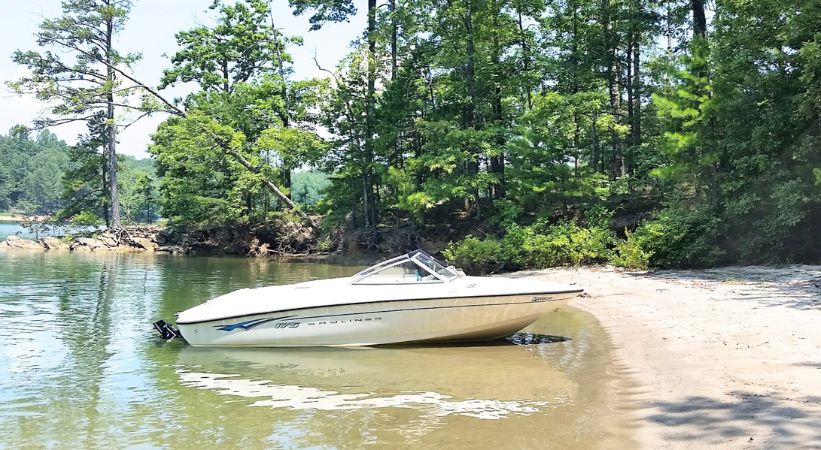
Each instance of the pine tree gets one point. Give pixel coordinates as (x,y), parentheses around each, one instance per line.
(81,76)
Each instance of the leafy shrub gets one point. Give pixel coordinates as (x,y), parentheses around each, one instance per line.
(324,245)
(679,237)
(86,218)
(630,254)
(535,247)
(505,213)
(565,243)
(774,229)
(475,255)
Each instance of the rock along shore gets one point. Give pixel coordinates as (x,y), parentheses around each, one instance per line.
(277,239)
(134,239)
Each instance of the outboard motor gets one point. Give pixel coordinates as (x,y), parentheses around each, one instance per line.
(166,330)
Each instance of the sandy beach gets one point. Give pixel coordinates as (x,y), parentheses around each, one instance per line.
(718,358)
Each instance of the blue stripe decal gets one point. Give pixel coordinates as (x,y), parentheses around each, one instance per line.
(248,324)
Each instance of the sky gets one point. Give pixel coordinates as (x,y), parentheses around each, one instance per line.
(150,31)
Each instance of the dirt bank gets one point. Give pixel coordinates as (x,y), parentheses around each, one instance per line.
(726,358)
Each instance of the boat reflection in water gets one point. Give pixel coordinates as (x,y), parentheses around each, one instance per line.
(531,391)
(485,382)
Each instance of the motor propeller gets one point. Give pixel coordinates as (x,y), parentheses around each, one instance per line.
(166,330)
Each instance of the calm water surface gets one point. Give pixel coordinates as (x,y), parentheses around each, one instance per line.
(8,228)
(80,366)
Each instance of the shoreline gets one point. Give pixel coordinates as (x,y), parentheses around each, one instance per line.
(17,218)
(283,239)
(720,358)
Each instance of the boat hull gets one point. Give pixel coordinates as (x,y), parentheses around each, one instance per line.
(379,323)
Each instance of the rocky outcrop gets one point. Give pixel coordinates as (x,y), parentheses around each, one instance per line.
(86,244)
(108,239)
(53,243)
(275,238)
(16,242)
(145,243)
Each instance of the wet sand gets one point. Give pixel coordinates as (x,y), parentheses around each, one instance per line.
(718,358)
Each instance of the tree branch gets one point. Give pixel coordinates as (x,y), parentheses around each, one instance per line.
(145,113)
(172,108)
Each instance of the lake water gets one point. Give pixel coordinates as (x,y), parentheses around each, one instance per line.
(80,366)
(8,228)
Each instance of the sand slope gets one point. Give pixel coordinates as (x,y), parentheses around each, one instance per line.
(727,358)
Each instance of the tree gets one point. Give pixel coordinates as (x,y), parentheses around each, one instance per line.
(336,11)
(244,49)
(238,48)
(81,77)
(258,122)
(31,171)
(145,189)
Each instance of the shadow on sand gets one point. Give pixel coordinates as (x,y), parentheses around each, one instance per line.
(796,287)
(783,422)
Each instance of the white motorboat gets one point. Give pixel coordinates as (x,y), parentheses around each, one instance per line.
(410,298)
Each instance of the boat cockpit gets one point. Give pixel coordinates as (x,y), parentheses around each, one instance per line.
(411,268)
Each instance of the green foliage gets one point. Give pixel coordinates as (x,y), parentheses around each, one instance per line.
(476,255)
(86,218)
(86,183)
(325,244)
(324,10)
(678,237)
(542,123)
(234,50)
(200,187)
(139,189)
(628,253)
(506,213)
(31,171)
(565,243)
(308,187)
(536,246)
(244,131)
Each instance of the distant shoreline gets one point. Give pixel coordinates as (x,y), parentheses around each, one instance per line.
(8,217)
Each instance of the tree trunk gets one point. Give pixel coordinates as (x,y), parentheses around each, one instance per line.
(370,204)
(285,115)
(574,86)
(594,157)
(226,81)
(574,49)
(104,172)
(636,125)
(630,100)
(699,19)
(497,163)
(111,127)
(613,87)
(394,32)
(112,168)
(525,55)
(470,110)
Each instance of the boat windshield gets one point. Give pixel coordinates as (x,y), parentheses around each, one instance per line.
(411,268)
